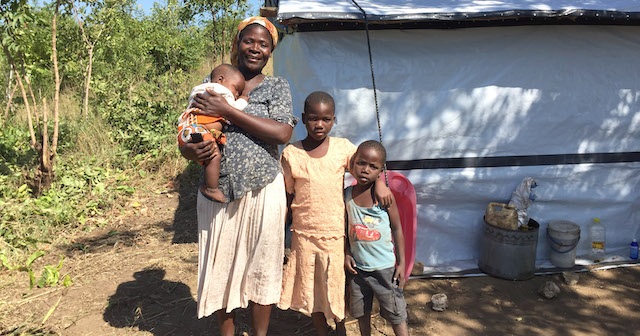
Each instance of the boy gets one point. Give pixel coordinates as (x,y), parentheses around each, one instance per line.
(370,259)
(229,82)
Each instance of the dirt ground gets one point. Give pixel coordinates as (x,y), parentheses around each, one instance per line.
(137,276)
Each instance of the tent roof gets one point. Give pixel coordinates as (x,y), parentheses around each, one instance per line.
(381,14)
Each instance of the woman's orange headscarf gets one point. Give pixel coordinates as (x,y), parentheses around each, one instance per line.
(256,19)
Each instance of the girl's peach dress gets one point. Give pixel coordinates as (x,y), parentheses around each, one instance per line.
(314,276)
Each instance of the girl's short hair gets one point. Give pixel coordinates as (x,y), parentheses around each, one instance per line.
(319,97)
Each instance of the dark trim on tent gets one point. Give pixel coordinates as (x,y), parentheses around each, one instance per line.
(514,161)
(303,22)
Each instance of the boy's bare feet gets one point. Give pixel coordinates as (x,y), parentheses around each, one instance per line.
(213,193)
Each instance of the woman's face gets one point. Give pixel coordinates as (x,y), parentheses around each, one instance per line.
(254,48)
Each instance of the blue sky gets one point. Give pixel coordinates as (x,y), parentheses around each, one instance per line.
(148,4)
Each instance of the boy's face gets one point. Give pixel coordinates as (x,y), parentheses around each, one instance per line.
(367,166)
(318,119)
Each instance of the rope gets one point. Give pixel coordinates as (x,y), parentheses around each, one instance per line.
(373,81)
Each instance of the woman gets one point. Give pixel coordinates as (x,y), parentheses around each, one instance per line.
(241,242)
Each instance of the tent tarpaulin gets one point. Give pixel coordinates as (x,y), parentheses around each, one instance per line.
(390,10)
(468,113)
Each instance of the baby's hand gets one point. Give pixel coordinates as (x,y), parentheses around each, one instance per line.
(244,98)
(350,264)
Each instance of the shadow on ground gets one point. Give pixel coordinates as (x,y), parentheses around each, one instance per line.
(185,222)
(151,303)
(103,242)
(159,306)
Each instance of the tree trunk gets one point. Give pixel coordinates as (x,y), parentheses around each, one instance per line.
(56,96)
(33,143)
(35,106)
(85,104)
(9,81)
(45,174)
(33,97)
(224,45)
(10,98)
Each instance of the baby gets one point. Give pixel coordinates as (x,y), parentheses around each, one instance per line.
(229,82)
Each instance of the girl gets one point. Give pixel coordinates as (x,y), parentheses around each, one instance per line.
(314,277)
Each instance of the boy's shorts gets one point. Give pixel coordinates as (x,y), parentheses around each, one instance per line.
(364,285)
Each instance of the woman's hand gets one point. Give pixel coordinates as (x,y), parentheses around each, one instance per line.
(199,151)
(268,130)
(212,104)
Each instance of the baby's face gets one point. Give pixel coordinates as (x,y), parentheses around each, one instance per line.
(235,84)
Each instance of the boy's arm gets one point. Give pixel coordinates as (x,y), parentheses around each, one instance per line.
(398,242)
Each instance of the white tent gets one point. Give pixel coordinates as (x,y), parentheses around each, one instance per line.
(476,95)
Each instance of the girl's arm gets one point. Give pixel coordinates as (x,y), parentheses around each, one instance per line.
(349,262)
(398,242)
(268,130)
(383,195)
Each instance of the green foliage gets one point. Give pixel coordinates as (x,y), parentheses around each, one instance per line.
(50,276)
(174,45)
(86,188)
(15,26)
(15,152)
(143,69)
(219,17)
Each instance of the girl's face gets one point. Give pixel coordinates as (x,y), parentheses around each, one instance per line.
(367,166)
(319,119)
(254,48)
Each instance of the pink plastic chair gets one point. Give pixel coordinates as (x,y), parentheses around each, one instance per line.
(405,196)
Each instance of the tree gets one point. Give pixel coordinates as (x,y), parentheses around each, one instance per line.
(224,16)
(10,93)
(92,26)
(17,20)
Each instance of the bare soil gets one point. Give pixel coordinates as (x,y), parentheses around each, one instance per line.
(137,276)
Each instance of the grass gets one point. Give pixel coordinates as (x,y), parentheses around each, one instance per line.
(95,177)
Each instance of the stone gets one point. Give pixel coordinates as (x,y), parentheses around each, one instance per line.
(549,290)
(570,278)
(439,302)
(418,268)
(412,317)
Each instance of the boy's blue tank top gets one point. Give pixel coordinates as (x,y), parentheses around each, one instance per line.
(369,235)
